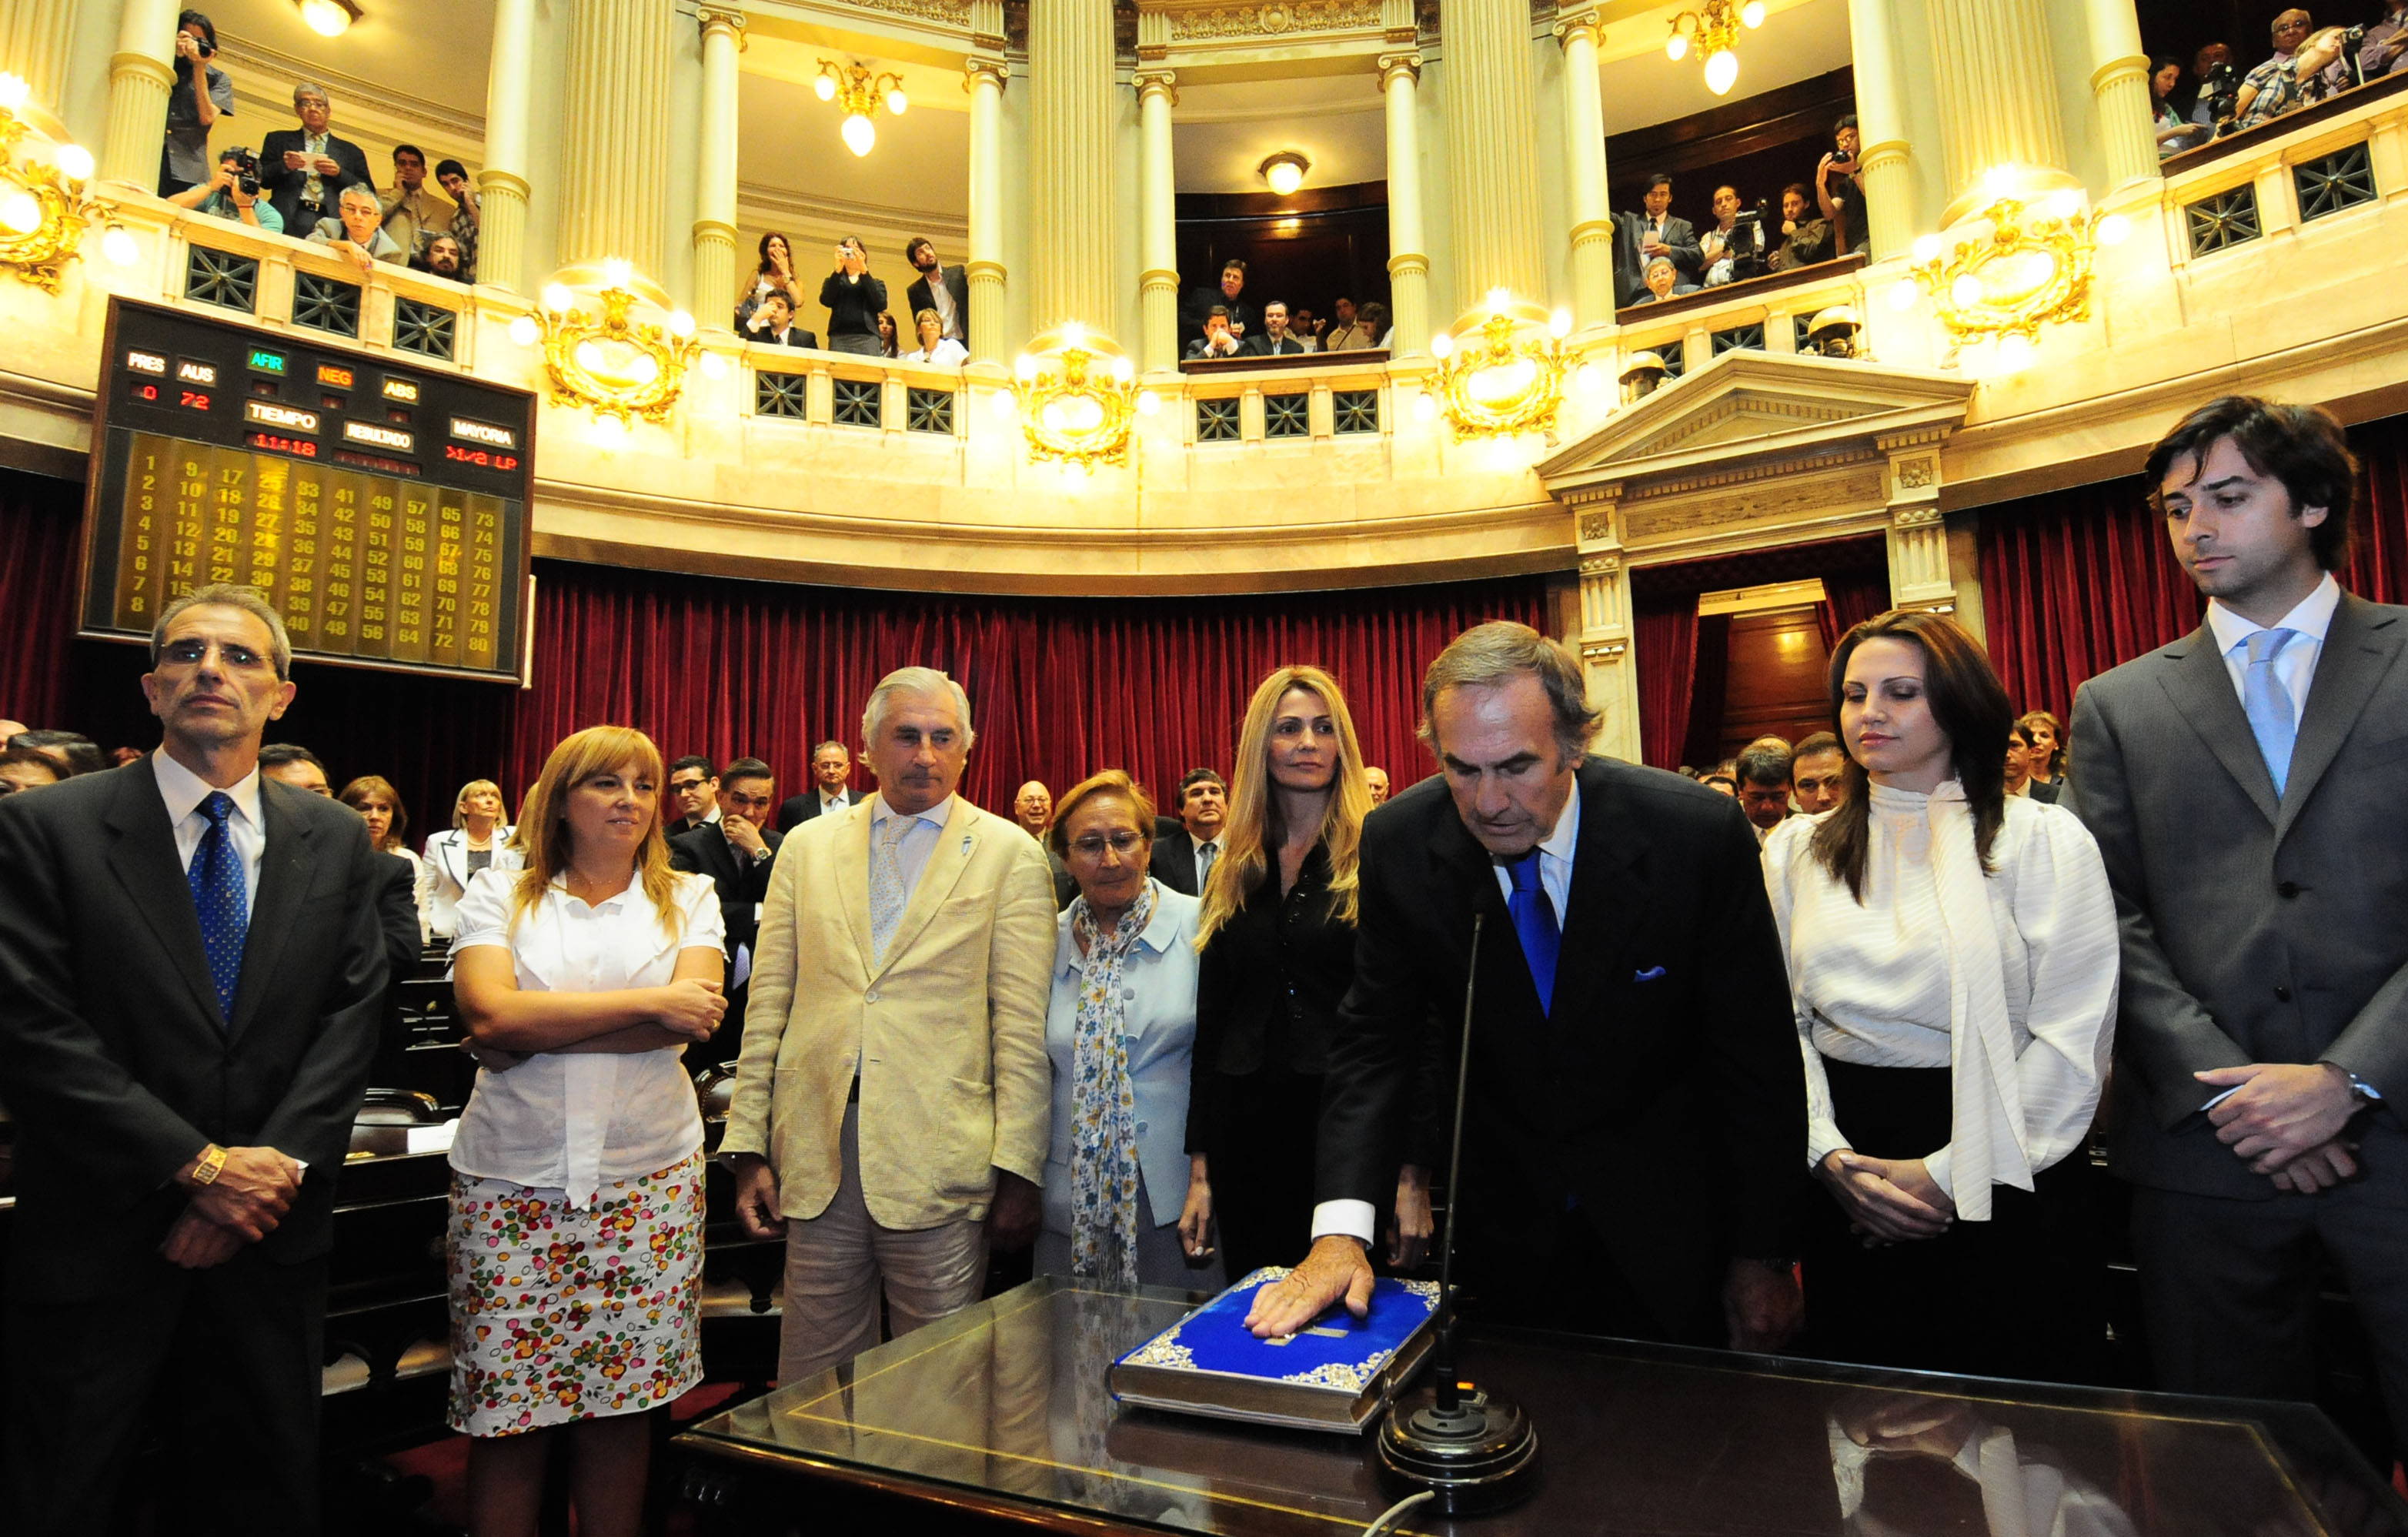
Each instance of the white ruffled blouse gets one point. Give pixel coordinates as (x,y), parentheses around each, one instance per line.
(576,1121)
(2006,979)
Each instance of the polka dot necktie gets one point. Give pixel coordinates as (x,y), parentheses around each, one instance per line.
(216,878)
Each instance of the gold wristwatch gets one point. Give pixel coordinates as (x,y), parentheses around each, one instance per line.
(210,1163)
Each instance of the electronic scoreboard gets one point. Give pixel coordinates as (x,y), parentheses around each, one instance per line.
(381,506)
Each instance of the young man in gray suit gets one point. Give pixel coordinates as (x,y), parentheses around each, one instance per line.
(2244,785)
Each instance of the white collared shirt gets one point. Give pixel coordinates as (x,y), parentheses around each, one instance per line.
(835,802)
(575,1121)
(184,790)
(918,843)
(2295,664)
(1197,847)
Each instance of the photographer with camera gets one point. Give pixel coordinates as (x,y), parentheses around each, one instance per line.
(234,193)
(1836,190)
(202,94)
(2302,80)
(1734,247)
(2214,84)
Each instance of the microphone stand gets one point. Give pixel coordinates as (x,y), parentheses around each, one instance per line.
(1472,1449)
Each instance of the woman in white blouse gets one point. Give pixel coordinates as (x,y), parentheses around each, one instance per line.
(1953,956)
(477,840)
(1121,1031)
(577,1208)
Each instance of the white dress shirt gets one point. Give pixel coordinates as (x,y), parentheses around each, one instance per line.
(835,802)
(574,1121)
(1359,1218)
(2296,663)
(1878,981)
(184,790)
(1196,849)
(918,843)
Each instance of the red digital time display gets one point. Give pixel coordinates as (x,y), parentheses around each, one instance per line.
(482,458)
(281,444)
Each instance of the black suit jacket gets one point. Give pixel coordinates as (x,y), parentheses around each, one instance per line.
(1173,862)
(1259,344)
(743,882)
(1198,304)
(796,810)
(957,283)
(1630,263)
(117,1067)
(1672,1029)
(283,187)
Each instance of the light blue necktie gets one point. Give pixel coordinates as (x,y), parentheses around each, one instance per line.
(2269,705)
(215,876)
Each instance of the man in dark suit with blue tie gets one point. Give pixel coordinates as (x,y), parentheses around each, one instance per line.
(2244,785)
(193,976)
(1636,1127)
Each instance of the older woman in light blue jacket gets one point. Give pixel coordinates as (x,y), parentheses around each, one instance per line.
(1121,1031)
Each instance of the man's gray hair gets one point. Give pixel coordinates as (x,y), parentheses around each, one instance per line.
(823,747)
(1492,656)
(228,594)
(915,680)
(311,88)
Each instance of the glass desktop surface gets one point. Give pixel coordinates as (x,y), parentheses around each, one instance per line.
(1004,1406)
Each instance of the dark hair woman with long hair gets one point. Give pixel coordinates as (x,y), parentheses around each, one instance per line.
(1952,953)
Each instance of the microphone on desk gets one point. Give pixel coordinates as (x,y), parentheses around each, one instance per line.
(1472,1449)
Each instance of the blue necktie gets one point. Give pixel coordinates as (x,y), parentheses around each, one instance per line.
(216,878)
(2269,705)
(1534,920)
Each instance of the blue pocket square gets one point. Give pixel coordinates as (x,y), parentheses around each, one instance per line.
(1653,973)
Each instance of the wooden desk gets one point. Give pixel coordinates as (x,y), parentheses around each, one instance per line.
(1000,1417)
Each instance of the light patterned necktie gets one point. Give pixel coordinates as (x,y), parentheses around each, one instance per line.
(215,876)
(887,895)
(1204,853)
(2273,714)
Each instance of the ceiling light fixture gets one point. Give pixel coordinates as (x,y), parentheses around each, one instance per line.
(859,90)
(330,18)
(1284,172)
(1714,31)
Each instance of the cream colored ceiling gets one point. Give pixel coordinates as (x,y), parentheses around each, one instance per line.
(436,55)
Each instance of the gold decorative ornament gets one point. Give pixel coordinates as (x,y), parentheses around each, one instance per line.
(860,91)
(44,208)
(1714,31)
(612,364)
(2016,266)
(1501,369)
(1075,392)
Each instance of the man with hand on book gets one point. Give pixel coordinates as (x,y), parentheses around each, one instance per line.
(1633,1019)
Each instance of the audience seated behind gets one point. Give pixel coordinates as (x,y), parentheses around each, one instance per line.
(1274,340)
(771,322)
(935,346)
(466,227)
(1804,241)
(2284,85)
(356,233)
(26,769)
(221,196)
(1348,334)
(1218,340)
(1663,282)
(1196,310)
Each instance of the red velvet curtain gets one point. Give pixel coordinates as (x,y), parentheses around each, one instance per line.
(1851,596)
(1701,743)
(1664,630)
(1058,687)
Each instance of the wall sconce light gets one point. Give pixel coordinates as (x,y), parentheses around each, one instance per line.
(614,367)
(1284,172)
(44,208)
(2016,267)
(1501,367)
(1714,33)
(1076,392)
(859,91)
(330,18)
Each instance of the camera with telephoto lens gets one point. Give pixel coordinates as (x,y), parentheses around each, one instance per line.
(1747,243)
(246,169)
(2221,87)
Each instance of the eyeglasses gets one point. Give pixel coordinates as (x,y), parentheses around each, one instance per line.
(679,786)
(1123,843)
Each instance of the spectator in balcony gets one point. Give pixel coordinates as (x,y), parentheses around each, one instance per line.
(943,289)
(1639,238)
(773,322)
(1276,340)
(441,258)
(1663,282)
(2386,49)
(1804,241)
(2205,66)
(1307,328)
(1217,340)
(1198,309)
(412,215)
(886,344)
(777,270)
(1716,247)
(1375,324)
(1836,193)
(1349,335)
(935,346)
(2175,132)
(221,196)
(467,210)
(2290,29)
(855,300)
(202,94)
(2308,77)
(358,232)
(304,168)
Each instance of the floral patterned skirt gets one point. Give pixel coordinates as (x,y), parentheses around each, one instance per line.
(559,1314)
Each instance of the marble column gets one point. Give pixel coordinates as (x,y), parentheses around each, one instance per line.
(1157,93)
(1071,112)
(2119,91)
(502,188)
(1491,102)
(614,165)
(34,38)
(1607,665)
(714,224)
(1592,228)
(1892,218)
(1409,315)
(1919,576)
(1997,85)
(140,73)
(985,267)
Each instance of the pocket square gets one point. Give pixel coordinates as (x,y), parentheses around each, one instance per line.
(1653,973)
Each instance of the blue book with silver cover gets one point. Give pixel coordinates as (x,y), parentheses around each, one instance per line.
(1333,1376)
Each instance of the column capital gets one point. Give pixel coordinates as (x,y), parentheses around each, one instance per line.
(489,178)
(1157,82)
(1395,66)
(985,67)
(1574,19)
(2134,67)
(141,65)
(707,229)
(725,19)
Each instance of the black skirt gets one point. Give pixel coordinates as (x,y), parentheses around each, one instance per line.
(2022,1295)
(1259,1156)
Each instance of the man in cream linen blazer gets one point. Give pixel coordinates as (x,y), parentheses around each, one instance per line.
(894,1085)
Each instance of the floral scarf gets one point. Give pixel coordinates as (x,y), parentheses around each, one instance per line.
(1103,1104)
